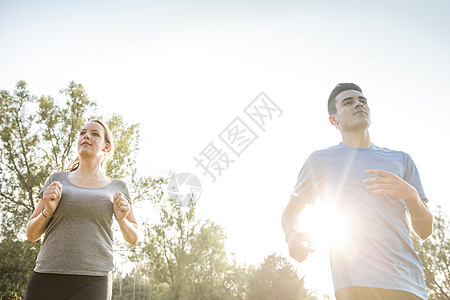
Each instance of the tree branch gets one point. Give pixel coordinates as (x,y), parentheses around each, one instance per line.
(14,201)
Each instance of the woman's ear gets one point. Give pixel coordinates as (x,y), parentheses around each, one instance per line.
(107,148)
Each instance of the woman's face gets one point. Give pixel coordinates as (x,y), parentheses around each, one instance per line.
(91,141)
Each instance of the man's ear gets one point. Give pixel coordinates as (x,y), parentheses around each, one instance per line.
(333,121)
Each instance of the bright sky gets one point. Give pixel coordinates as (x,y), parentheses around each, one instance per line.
(185,70)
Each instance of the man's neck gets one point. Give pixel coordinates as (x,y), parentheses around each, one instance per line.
(357,139)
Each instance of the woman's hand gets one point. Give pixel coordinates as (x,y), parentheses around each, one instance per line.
(52,196)
(123,212)
(46,206)
(121,207)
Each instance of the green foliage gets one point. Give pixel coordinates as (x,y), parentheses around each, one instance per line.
(179,256)
(36,138)
(188,256)
(276,279)
(184,257)
(16,265)
(21,169)
(60,125)
(126,138)
(10,296)
(434,253)
(135,285)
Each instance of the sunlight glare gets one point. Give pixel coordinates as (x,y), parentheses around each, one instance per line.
(326,228)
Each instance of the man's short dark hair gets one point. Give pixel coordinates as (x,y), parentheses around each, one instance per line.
(336,91)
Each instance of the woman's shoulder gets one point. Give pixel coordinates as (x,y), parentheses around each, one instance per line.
(122,186)
(119,182)
(58,175)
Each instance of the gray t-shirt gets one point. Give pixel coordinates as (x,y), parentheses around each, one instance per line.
(377,250)
(78,238)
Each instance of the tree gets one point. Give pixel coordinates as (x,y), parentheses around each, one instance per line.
(36,138)
(14,263)
(434,254)
(135,285)
(186,257)
(276,279)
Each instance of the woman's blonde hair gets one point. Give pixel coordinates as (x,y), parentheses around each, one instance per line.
(108,155)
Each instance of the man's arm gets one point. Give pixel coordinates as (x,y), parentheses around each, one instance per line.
(421,217)
(395,187)
(299,243)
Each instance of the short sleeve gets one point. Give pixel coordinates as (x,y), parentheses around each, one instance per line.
(47,183)
(412,176)
(126,193)
(309,182)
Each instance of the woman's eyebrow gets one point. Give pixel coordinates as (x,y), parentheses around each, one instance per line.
(84,129)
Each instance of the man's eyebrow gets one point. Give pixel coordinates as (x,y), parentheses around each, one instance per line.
(348,98)
(351,98)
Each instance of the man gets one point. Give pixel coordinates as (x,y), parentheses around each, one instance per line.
(375,190)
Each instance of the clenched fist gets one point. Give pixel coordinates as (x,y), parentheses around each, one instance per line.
(121,207)
(299,245)
(52,196)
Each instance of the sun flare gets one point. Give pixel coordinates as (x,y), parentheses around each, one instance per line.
(326,227)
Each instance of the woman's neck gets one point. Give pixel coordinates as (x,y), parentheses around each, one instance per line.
(89,169)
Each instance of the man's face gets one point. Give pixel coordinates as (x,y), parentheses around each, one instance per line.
(352,111)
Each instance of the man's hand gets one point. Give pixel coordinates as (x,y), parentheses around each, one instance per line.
(52,196)
(121,206)
(299,245)
(395,187)
(390,184)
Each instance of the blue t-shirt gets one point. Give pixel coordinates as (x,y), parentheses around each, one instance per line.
(379,252)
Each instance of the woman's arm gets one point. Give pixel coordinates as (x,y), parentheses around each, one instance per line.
(123,212)
(38,222)
(44,211)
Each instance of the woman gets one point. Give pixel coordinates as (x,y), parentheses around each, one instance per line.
(75,212)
